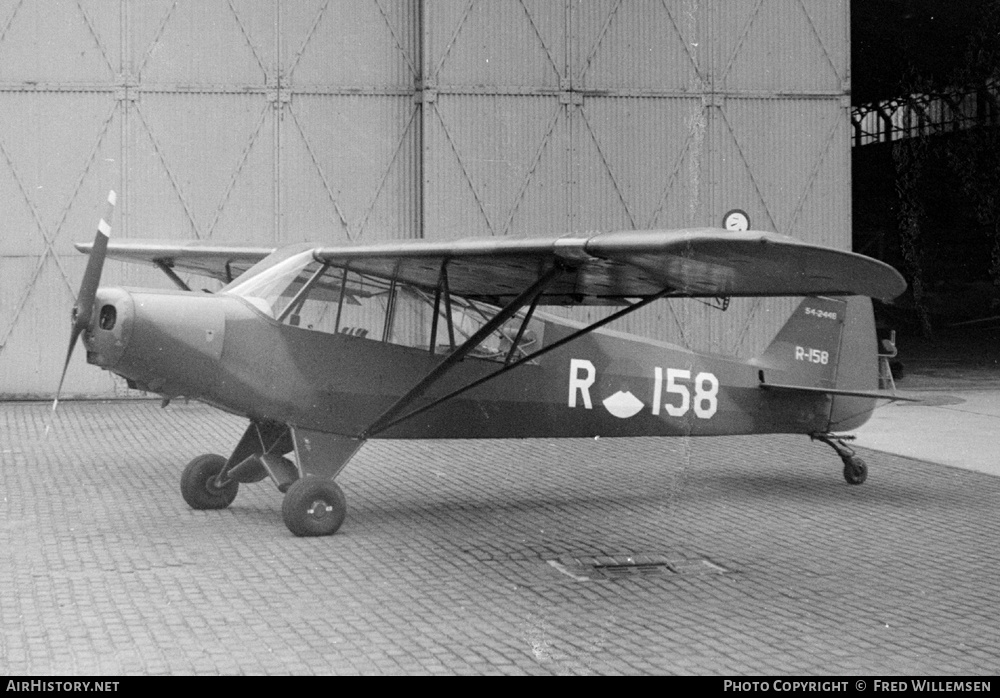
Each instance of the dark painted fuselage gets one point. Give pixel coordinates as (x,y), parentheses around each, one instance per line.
(224,351)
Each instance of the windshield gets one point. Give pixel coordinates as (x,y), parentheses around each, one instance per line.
(274,287)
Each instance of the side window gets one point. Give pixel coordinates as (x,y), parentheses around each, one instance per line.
(313,314)
(305,293)
(468,318)
(363,311)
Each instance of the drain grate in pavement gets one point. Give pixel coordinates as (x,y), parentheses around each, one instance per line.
(633,565)
(632,569)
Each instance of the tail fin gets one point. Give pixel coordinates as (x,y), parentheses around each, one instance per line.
(828,346)
(806,351)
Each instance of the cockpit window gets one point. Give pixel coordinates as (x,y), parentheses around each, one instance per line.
(274,287)
(303,292)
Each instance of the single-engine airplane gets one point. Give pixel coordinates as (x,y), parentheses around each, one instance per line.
(325,347)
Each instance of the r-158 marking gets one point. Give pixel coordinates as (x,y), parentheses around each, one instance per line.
(813,356)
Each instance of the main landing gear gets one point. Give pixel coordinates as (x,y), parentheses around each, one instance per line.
(314,504)
(199,483)
(314,507)
(855,469)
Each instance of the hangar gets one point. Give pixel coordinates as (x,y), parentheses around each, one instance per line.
(343,120)
(926,161)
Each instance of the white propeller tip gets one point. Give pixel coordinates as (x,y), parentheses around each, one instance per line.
(112,197)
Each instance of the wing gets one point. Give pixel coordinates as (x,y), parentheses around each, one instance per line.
(610,267)
(223,262)
(598,269)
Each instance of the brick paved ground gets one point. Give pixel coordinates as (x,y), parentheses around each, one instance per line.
(478,558)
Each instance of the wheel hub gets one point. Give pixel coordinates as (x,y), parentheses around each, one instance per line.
(212,488)
(319,509)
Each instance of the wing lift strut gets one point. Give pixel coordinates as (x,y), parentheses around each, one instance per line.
(531,296)
(167,268)
(314,504)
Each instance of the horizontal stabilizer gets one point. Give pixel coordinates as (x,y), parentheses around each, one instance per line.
(874,394)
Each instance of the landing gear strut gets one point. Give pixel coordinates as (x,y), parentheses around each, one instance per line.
(855,469)
(314,504)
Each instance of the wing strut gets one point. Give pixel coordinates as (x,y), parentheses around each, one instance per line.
(171,274)
(439,290)
(521,329)
(386,422)
(536,289)
(437,309)
(447,304)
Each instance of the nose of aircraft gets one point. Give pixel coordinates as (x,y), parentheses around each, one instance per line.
(110,327)
(167,342)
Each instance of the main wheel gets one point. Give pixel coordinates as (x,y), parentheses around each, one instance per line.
(314,507)
(855,470)
(198,483)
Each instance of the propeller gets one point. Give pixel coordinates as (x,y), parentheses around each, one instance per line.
(84,307)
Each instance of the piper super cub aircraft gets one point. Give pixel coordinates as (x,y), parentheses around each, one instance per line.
(323,348)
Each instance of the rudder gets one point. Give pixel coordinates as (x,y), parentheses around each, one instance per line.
(858,366)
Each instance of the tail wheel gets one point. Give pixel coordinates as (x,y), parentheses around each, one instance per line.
(855,470)
(314,507)
(198,483)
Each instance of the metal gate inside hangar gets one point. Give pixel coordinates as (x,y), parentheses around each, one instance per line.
(365,120)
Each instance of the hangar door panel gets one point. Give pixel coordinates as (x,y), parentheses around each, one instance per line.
(779,133)
(494,165)
(639,136)
(225,120)
(558,117)
(59,134)
(350,127)
(175,191)
(495,129)
(549,117)
(788,47)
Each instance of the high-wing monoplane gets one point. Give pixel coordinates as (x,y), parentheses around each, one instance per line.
(322,348)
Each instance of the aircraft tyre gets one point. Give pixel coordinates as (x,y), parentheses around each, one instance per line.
(314,507)
(855,470)
(198,483)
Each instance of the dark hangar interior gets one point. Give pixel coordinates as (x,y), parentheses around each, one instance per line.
(925,83)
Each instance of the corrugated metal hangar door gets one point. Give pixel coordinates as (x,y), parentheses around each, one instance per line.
(544,117)
(360,120)
(236,120)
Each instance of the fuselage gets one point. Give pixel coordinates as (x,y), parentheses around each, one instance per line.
(228,352)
